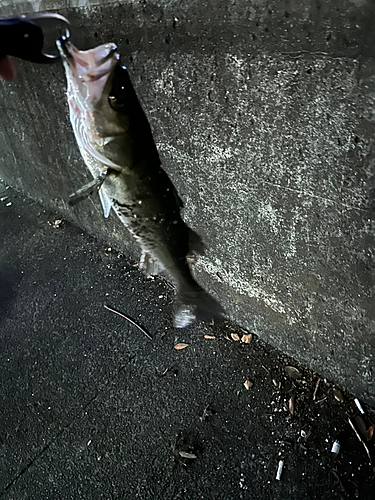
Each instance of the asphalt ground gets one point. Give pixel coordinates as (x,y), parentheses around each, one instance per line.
(91,408)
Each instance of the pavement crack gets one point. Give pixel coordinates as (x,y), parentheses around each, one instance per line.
(302,53)
(311,195)
(33,460)
(61,431)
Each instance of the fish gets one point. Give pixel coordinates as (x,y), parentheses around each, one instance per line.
(116,143)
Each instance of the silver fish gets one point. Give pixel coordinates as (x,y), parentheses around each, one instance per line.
(116,144)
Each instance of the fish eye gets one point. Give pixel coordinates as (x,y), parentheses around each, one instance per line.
(115,103)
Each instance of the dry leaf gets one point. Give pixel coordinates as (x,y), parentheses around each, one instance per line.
(209,337)
(291,405)
(360,439)
(338,395)
(248,384)
(235,337)
(293,372)
(178,347)
(246,339)
(369,433)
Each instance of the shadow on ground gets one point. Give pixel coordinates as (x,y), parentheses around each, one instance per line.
(9,279)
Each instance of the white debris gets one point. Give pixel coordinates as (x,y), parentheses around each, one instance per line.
(359,406)
(335,448)
(279,470)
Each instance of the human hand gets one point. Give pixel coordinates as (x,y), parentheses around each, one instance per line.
(30,37)
(6,69)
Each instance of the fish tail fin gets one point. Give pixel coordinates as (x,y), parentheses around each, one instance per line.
(196,305)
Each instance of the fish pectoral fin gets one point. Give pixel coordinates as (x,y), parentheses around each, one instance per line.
(149,265)
(106,203)
(86,190)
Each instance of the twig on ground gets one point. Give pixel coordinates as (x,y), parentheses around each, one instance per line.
(321,400)
(316,389)
(359,437)
(359,406)
(130,321)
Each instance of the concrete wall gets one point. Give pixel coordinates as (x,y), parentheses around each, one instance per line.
(263,113)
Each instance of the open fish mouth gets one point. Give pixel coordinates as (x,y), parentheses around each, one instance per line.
(88,71)
(89,66)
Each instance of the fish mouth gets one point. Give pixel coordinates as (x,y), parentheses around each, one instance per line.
(88,71)
(90,65)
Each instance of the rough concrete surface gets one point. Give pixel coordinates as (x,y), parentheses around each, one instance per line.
(91,408)
(263,113)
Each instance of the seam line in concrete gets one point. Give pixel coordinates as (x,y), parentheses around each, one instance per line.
(62,430)
(311,195)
